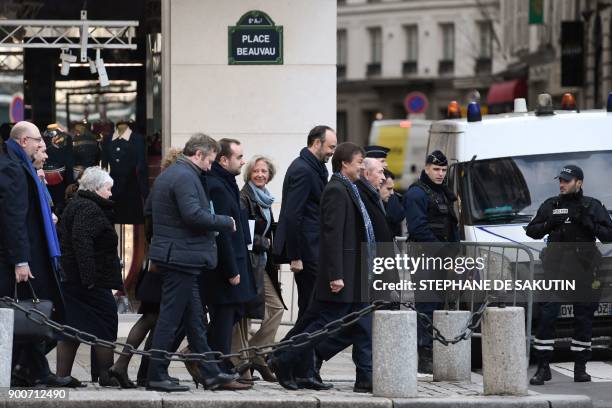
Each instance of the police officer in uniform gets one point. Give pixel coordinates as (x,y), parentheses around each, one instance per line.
(393,206)
(430,217)
(570,217)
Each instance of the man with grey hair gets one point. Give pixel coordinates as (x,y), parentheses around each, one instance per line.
(29,249)
(183,244)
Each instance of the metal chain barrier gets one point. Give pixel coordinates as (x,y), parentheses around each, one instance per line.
(471,325)
(247,353)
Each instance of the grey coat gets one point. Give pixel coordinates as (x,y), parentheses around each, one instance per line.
(183,223)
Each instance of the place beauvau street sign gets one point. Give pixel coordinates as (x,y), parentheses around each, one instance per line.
(255,39)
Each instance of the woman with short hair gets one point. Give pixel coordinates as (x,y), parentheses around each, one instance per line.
(90,261)
(257,201)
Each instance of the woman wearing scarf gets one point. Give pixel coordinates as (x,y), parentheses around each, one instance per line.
(257,201)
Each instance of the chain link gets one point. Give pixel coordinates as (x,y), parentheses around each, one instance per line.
(471,325)
(299,340)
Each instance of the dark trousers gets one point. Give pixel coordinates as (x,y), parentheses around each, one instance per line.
(360,335)
(305,281)
(32,359)
(544,341)
(222,321)
(423,339)
(180,300)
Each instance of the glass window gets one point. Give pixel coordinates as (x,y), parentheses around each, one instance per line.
(375,44)
(511,189)
(485,31)
(341,45)
(448,41)
(412,42)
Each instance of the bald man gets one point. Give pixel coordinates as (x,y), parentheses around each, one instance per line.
(28,244)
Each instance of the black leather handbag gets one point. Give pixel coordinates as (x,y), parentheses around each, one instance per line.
(26,330)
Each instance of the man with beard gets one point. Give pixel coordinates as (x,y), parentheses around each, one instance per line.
(229,287)
(345,225)
(430,218)
(297,235)
(572,222)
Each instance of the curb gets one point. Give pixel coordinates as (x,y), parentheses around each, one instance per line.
(151,399)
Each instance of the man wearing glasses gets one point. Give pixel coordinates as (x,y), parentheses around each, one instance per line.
(28,246)
(430,217)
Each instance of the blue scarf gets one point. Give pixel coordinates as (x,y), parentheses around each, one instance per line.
(264,200)
(50,231)
(371,247)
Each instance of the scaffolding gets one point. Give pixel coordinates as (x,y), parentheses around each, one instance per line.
(80,34)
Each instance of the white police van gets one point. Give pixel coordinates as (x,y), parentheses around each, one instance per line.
(502,168)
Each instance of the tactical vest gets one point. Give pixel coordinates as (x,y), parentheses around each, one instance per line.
(569,231)
(441,218)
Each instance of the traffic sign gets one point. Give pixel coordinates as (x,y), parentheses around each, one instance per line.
(16,108)
(416,102)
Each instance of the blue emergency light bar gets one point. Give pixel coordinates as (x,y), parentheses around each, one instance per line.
(473,112)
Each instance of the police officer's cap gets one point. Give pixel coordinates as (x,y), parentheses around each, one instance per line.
(437,158)
(570,172)
(376,152)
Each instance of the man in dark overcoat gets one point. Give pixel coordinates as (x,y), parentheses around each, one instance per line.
(28,248)
(342,282)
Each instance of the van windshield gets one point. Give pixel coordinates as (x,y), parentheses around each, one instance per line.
(511,189)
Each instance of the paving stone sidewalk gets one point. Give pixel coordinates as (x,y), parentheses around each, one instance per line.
(339,371)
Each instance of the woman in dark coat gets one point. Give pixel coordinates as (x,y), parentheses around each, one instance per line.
(92,269)
(256,199)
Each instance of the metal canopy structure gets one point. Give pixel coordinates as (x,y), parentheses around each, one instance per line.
(80,34)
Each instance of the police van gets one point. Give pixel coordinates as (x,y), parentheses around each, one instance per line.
(406,140)
(502,168)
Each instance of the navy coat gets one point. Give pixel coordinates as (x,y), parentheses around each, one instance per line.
(416,203)
(23,237)
(298,230)
(233,253)
(183,225)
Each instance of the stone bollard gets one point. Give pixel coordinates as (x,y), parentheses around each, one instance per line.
(504,362)
(394,353)
(452,362)
(6,346)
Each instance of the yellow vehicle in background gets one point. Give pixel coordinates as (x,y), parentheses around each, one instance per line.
(407,141)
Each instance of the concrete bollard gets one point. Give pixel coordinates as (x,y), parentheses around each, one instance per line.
(394,353)
(6,346)
(504,362)
(452,362)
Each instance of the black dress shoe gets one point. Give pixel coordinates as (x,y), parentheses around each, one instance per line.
(53,380)
(313,384)
(121,377)
(74,383)
(284,375)
(166,386)
(363,387)
(217,381)
(142,382)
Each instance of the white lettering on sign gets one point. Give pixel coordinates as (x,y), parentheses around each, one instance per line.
(255,38)
(256,51)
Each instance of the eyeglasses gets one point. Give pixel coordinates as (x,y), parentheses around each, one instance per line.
(38,139)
